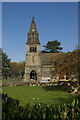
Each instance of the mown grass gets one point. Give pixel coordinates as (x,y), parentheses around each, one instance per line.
(11,80)
(46,94)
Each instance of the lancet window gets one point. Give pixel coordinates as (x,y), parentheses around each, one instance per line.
(33,49)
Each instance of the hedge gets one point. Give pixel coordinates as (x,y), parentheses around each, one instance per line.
(12,110)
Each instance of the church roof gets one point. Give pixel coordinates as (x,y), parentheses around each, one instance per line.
(48,58)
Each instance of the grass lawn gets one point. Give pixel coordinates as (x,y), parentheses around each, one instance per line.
(10,80)
(46,94)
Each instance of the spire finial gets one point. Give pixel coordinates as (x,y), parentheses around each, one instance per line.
(33,17)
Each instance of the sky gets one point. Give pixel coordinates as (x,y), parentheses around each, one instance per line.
(54,21)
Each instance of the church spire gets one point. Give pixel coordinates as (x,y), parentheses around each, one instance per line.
(33,35)
(33,26)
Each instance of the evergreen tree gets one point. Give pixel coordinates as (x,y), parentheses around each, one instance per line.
(0,63)
(52,47)
(5,65)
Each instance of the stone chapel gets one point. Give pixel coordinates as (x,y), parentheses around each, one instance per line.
(38,65)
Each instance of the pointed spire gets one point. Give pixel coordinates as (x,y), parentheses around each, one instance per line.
(33,35)
(33,26)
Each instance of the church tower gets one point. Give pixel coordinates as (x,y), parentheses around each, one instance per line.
(33,63)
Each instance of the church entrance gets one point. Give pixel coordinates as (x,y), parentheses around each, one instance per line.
(33,75)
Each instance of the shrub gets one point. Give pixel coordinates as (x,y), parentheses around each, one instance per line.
(12,110)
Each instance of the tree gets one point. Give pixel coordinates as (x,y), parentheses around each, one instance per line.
(22,73)
(14,69)
(0,63)
(6,68)
(52,47)
(44,51)
(17,69)
(22,68)
(68,63)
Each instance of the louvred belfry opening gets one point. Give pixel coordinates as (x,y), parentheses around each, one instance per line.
(33,35)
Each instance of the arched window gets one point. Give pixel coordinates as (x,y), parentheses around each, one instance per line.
(35,49)
(30,49)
